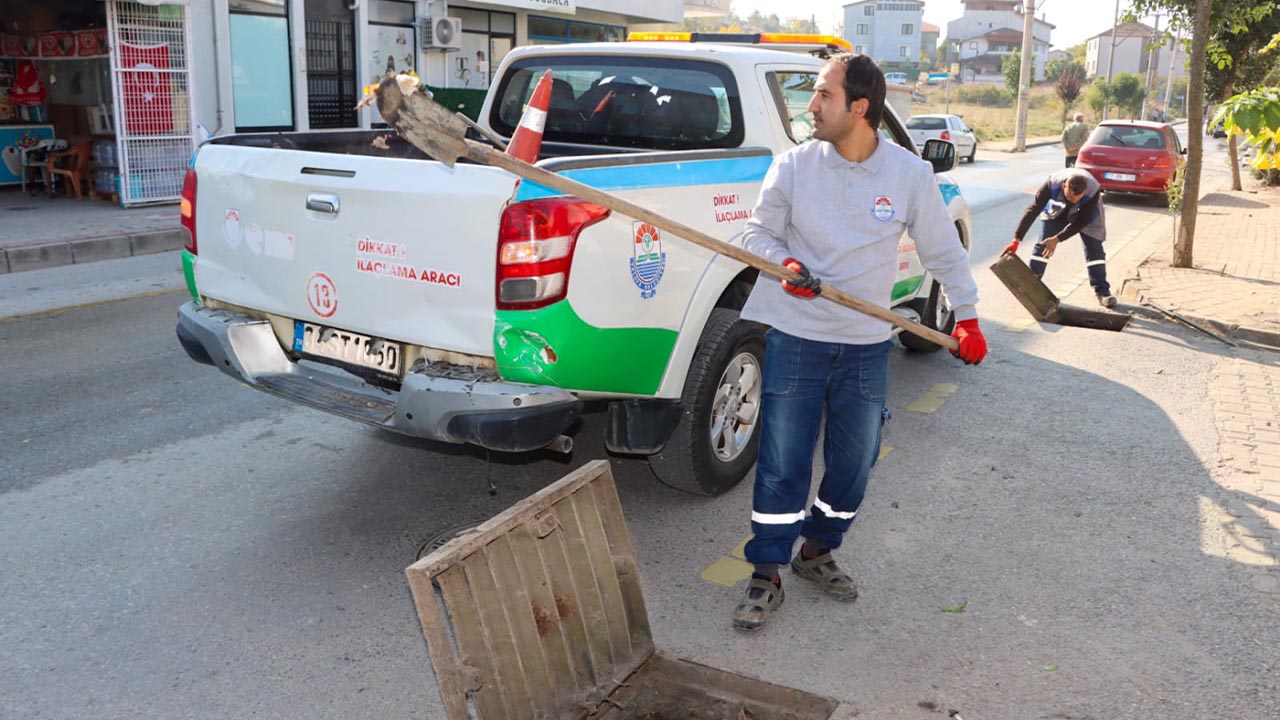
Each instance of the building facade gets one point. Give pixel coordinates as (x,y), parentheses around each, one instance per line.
(887,30)
(301,64)
(1133,52)
(988,32)
(929,34)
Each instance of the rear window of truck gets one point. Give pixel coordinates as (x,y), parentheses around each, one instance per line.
(632,102)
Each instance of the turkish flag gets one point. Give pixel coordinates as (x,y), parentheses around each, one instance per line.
(148,95)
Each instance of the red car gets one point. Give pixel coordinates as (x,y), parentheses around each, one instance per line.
(1132,156)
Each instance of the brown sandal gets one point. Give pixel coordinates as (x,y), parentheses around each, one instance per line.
(761,599)
(828,576)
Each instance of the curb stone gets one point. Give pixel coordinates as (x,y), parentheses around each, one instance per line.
(1266,339)
(70,252)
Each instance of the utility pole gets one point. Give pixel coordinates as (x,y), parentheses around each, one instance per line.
(1024,78)
(1153,59)
(1111,62)
(1173,59)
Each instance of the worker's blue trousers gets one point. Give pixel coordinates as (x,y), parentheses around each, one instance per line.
(802,378)
(1095,258)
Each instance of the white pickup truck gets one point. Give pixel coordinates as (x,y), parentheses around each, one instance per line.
(348,272)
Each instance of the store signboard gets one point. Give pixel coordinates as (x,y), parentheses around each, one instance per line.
(565,7)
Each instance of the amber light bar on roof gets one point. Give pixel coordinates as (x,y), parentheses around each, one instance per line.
(830,41)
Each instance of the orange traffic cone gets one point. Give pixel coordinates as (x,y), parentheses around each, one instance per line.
(527,141)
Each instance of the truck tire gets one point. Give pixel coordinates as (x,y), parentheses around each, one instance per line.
(933,314)
(704,456)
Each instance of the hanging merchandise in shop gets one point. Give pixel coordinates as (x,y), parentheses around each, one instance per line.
(57,44)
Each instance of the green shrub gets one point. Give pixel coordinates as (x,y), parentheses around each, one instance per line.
(983,94)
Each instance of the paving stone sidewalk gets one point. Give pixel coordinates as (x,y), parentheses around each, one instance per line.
(1234,288)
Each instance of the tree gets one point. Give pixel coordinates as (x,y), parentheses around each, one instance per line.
(1097,96)
(1127,93)
(1201,21)
(1067,87)
(1255,114)
(1053,69)
(1238,60)
(1012,69)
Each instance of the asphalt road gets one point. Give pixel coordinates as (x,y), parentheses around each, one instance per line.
(175,545)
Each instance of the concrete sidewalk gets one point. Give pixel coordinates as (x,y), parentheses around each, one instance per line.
(41,233)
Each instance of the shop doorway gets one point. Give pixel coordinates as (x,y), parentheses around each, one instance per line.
(331,64)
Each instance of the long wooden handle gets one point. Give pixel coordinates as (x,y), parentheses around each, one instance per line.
(484,154)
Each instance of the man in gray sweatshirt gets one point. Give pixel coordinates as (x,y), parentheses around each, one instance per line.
(835,208)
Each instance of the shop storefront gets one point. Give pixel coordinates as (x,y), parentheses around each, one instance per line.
(301,64)
(105,87)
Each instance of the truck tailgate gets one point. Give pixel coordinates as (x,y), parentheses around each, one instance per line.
(392,248)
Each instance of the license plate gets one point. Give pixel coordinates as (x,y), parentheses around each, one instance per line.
(1121,177)
(348,347)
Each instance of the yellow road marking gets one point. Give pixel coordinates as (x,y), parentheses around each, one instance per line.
(727,571)
(1020,325)
(933,398)
(740,551)
(884,450)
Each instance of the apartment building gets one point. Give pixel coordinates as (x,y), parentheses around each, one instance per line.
(988,32)
(887,30)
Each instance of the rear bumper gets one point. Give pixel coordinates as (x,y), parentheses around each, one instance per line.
(469,407)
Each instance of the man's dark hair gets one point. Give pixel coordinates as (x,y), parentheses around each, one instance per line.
(1077,184)
(863,80)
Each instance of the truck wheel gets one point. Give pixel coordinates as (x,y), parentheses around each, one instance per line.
(715,442)
(933,314)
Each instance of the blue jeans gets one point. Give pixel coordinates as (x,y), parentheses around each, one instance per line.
(802,378)
(1095,258)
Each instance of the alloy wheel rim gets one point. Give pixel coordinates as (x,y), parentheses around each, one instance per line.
(735,410)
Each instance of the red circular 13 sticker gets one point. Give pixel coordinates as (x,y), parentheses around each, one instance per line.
(322,295)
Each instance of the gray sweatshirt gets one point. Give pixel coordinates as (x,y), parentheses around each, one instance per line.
(844,220)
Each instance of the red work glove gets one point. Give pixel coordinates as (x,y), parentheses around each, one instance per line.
(973,346)
(1010,249)
(805,286)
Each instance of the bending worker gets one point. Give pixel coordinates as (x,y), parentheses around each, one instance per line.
(834,208)
(1069,202)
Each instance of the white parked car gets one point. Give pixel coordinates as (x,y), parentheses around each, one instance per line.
(944,127)
(895,78)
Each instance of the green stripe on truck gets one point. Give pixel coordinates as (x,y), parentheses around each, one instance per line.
(904,288)
(582,356)
(189,272)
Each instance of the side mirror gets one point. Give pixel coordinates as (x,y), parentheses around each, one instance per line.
(940,153)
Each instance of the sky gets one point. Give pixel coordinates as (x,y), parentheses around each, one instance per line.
(1076,20)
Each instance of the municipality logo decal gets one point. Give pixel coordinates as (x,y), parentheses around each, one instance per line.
(883,209)
(647,260)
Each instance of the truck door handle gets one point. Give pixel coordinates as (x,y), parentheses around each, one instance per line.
(323,203)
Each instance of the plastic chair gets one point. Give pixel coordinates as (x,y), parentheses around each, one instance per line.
(73,165)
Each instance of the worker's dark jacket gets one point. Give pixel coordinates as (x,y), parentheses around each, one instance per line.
(1084,216)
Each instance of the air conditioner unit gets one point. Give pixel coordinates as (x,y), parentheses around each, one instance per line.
(443,33)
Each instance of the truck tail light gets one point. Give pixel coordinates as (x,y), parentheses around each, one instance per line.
(536,240)
(188,209)
(946,135)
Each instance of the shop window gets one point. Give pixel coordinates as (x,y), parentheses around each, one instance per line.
(391,12)
(261,75)
(486,39)
(555,30)
(393,39)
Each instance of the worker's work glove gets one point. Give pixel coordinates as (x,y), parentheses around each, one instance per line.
(1011,248)
(805,286)
(973,346)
